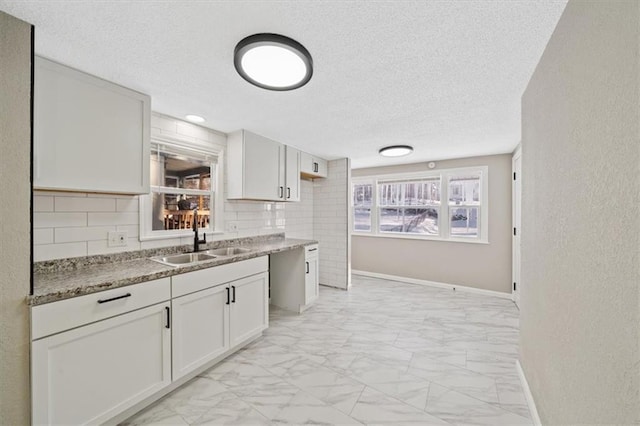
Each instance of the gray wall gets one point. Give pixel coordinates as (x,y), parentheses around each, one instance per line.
(581,219)
(484,266)
(15,226)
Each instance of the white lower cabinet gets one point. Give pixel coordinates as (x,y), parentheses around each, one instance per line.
(200,329)
(311,278)
(92,373)
(249,307)
(210,322)
(95,356)
(294,278)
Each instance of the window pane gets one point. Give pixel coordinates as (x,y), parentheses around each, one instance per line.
(390,194)
(362,219)
(464,190)
(412,220)
(173,211)
(422,193)
(411,193)
(464,221)
(362,195)
(180,171)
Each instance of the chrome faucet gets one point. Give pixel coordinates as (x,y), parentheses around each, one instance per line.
(196,240)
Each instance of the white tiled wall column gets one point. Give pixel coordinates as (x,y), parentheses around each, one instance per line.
(331,224)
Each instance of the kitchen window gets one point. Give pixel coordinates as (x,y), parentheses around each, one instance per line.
(362,199)
(449,205)
(184,191)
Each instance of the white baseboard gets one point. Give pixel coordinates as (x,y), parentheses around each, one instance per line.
(528,395)
(433,284)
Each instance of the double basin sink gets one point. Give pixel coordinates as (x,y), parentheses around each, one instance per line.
(191,258)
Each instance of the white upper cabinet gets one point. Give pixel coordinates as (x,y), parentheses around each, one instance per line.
(311,166)
(90,135)
(257,168)
(292,174)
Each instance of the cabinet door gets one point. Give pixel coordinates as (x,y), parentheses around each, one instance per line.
(321,167)
(92,373)
(306,163)
(311,280)
(263,168)
(249,307)
(90,135)
(312,166)
(200,328)
(293,174)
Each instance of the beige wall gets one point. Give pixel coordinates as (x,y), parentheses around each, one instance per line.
(581,219)
(484,266)
(15,226)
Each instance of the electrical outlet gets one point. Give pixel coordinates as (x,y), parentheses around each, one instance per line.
(118,239)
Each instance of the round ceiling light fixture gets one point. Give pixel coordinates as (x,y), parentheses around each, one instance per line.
(395,150)
(194,118)
(273,62)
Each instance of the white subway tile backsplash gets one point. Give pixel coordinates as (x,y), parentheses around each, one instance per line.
(119,218)
(89,233)
(127,204)
(102,247)
(54,220)
(188,129)
(168,242)
(58,251)
(43,236)
(42,203)
(164,123)
(132,230)
(84,204)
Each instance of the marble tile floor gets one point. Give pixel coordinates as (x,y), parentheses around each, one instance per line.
(384,353)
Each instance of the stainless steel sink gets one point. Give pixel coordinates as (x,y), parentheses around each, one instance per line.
(228,251)
(184,259)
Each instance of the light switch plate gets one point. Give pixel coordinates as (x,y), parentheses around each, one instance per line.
(117,239)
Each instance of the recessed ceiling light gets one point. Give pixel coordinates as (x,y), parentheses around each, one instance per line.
(273,62)
(194,118)
(396,150)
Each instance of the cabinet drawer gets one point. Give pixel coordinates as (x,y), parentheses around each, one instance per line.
(205,278)
(66,314)
(311,251)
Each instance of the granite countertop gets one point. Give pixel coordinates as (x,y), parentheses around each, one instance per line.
(67,278)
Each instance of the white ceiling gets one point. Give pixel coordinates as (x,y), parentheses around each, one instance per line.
(443,76)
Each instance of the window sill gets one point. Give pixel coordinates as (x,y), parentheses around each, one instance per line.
(420,238)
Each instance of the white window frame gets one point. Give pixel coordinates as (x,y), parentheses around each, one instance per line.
(443,208)
(216,225)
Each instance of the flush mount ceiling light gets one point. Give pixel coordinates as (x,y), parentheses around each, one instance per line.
(395,150)
(273,62)
(194,118)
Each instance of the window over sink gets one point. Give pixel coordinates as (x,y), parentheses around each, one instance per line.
(183,178)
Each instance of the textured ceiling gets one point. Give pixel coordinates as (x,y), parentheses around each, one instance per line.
(443,76)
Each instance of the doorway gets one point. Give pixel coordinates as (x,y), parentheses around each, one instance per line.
(516,166)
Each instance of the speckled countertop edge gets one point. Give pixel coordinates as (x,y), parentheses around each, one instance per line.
(82,276)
